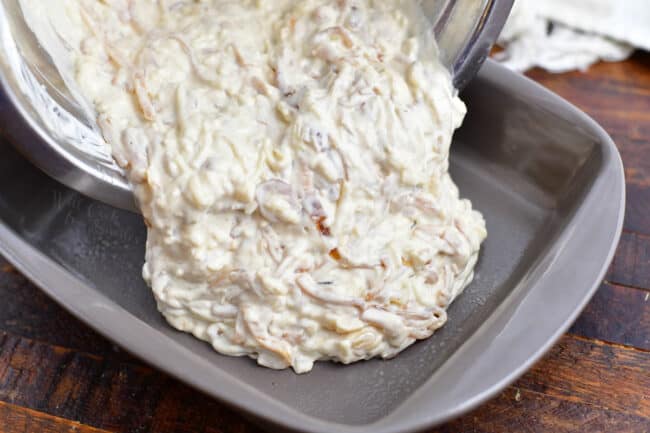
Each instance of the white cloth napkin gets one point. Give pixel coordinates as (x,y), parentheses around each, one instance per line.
(563,35)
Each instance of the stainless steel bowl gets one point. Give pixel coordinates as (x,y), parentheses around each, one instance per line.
(47,124)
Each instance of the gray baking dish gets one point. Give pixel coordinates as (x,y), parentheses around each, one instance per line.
(547,178)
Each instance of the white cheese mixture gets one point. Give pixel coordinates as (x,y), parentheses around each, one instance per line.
(291,162)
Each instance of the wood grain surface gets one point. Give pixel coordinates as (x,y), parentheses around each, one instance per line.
(57,375)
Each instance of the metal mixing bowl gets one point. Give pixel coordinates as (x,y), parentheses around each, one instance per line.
(49,126)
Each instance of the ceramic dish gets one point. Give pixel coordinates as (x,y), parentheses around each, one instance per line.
(549,182)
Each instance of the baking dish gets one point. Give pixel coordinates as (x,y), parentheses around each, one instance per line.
(548,180)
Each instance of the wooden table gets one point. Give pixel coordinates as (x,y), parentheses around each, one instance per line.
(56,375)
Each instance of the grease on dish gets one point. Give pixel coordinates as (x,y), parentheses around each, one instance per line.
(291,162)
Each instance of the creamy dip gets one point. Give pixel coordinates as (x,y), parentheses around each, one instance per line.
(290,159)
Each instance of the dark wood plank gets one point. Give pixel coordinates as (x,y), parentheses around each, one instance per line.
(631,265)
(630,133)
(618,315)
(27,311)
(521,410)
(104,394)
(592,372)
(637,205)
(15,419)
(6,267)
(592,380)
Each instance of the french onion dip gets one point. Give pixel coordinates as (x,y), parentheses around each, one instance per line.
(290,159)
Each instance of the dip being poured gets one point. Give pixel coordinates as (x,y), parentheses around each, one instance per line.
(290,159)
